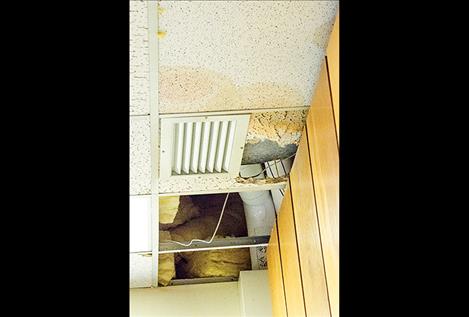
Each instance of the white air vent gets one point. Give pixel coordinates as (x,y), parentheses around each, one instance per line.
(202,145)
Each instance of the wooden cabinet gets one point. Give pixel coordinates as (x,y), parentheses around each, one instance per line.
(303,253)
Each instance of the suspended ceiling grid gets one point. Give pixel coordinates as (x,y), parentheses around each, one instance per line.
(226,56)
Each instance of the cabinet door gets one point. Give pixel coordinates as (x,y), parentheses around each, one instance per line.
(308,222)
(295,299)
(308,232)
(324,160)
(276,276)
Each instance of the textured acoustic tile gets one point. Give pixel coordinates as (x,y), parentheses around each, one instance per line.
(140,223)
(139,62)
(140,156)
(140,270)
(226,55)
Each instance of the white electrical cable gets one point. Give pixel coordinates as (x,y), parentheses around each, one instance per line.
(224,205)
(214,233)
(268,165)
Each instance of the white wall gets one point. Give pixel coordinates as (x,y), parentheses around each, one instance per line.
(249,297)
(213,299)
(255,300)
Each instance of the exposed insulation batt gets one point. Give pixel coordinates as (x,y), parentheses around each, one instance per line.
(176,210)
(232,224)
(166,268)
(206,263)
(168,208)
(214,263)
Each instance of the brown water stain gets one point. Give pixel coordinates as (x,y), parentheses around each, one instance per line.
(270,95)
(188,89)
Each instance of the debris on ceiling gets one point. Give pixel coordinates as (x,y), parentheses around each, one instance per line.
(273,135)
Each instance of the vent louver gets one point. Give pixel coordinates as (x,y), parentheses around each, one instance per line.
(202,145)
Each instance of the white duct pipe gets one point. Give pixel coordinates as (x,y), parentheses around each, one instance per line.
(260,214)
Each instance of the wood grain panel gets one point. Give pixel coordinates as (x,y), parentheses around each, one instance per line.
(333,67)
(308,225)
(309,243)
(275,276)
(325,167)
(289,257)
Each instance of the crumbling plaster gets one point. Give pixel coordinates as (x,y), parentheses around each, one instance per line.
(214,183)
(273,135)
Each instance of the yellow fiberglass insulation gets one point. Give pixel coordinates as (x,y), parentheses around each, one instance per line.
(176,210)
(233,222)
(227,262)
(166,267)
(168,208)
(196,218)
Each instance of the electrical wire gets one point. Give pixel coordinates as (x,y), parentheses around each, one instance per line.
(283,166)
(280,190)
(214,233)
(276,168)
(246,177)
(261,172)
(285,172)
(278,173)
(226,200)
(272,173)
